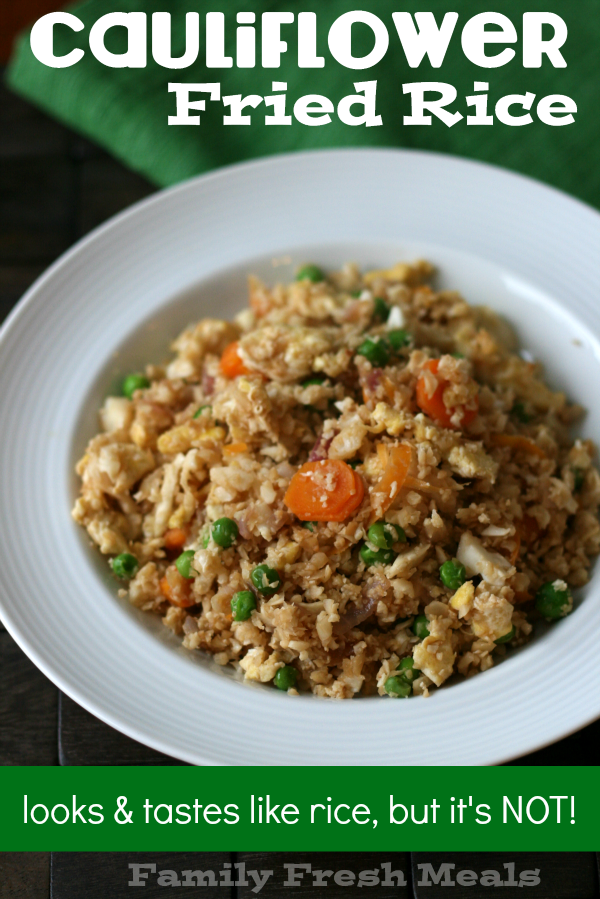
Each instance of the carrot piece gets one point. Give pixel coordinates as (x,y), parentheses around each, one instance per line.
(175,538)
(176,589)
(389,388)
(231,361)
(355,499)
(519,443)
(392,480)
(530,528)
(382,452)
(232,448)
(328,490)
(515,553)
(434,406)
(521,597)
(423,486)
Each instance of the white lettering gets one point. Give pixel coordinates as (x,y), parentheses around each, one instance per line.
(475,37)
(503,109)
(307,42)
(238,103)
(313,110)
(135,55)
(162,40)
(429,40)
(340,40)
(528,809)
(182,93)
(556,110)
(41,40)
(417,90)
(272,45)
(534,46)
(368,116)
(215,42)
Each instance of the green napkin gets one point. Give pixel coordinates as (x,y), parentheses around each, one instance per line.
(126,110)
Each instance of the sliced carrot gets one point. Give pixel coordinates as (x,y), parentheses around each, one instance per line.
(521,597)
(423,486)
(176,589)
(530,528)
(354,500)
(328,490)
(393,478)
(231,361)
(233,448)
(175,538)
(382,452)
(390,390)
(434,406)
(519,443)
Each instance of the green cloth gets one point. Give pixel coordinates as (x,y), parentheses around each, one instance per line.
(125,110)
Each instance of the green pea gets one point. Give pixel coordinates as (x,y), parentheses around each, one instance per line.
(383,534)
(453,574)
(286,677)
(518,412)
(314,379)
(420,627)
(407,667)
(458,355)
(183,564)
(266,580)
(132,383)
(225,532)
(309,525)
(355,294)
(381,310)
(199,412)
(125,565)
(398,338)
(578,478)
(407,664)
(376,351)
(397,685)
(376,557)
(242,605)
(553,603)
(507,637)
(310,273)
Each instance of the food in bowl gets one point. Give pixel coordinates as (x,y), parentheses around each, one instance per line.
(358,486)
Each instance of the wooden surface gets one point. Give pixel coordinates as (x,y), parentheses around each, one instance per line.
(54,188)
(111,875)
(24,875)
(323,875)
(83,740)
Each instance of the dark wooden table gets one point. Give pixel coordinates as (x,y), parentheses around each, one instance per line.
(55,187)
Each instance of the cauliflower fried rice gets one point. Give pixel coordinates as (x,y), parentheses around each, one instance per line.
(356,487)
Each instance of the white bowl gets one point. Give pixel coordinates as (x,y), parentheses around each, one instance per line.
(114,302)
